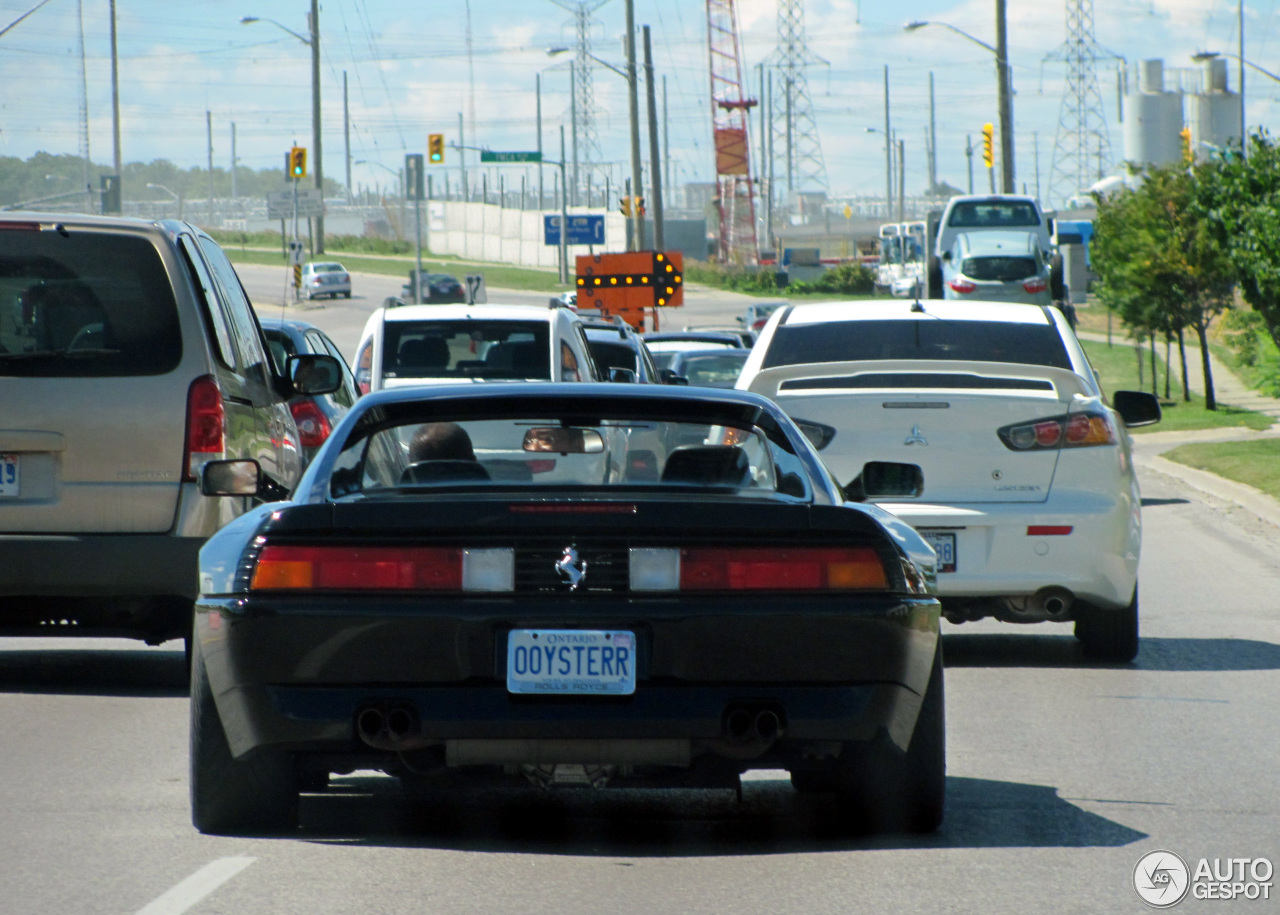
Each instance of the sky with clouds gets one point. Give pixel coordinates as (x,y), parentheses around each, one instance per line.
(409,73)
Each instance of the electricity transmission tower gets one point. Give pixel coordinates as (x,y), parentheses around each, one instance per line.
(729,107)
(584,139)
(1082,148)
(797,156)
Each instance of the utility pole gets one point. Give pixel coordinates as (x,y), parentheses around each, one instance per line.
(208,127)
(1006,101)
(346,132)
(564,216)
(314,21)
(633,101)
(655,160)
(888,153)
(233,167)
(933,143)
(115,102)
(462,161)
(902,183)
(537,89)
(968,152)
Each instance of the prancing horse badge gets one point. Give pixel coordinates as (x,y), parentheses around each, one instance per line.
(572,568)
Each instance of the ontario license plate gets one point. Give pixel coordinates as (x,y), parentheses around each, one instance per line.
(9,478)
(571,662)
(944,544)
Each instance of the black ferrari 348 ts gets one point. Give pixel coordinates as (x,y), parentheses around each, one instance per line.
(584,584)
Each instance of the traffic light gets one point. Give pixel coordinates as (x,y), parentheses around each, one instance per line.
(640,205)
(988,151)
(1187,154)
(435,148)
(298,162)
(624,206)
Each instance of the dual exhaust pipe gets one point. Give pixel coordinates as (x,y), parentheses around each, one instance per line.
(394,726)
(752,726)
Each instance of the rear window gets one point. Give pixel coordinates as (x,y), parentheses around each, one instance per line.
(998,269)
(932,339)
(85,304)
(713,369)
(985,214)
(496,350)
(613,355)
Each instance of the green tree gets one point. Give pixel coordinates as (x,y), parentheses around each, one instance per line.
(1163,267)
(1239,200)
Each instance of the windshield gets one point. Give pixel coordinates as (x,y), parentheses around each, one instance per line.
(488,349)
(541,452)
(993,214)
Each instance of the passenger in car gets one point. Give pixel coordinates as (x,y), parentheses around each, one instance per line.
(441,442)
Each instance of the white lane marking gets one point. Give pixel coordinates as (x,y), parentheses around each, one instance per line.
(199,885)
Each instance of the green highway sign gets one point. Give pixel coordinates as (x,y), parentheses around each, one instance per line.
(488,156)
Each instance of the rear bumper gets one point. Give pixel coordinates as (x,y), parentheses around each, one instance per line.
(297,680)
(99,565)
(997,557)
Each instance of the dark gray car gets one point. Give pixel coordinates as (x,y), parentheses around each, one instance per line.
(129,356)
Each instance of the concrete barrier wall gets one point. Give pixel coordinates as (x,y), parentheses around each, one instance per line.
(485,231)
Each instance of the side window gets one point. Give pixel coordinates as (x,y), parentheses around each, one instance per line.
(244,324)
(589,372)
(569,368)
(212,306)
(346,394)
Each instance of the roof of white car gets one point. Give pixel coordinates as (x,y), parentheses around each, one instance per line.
(915,309)
(460,312)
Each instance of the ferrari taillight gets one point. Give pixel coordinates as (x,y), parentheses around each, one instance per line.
(757,569)
(1076,430)
(345,568)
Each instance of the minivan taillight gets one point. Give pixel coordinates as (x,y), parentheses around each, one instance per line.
(313,426)
(206,426)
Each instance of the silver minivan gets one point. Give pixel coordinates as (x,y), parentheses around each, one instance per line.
(130,355)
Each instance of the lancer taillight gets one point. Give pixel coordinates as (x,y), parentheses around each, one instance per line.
(313,426)
(1076,430)
(349,568)
(206,425)
(757,569)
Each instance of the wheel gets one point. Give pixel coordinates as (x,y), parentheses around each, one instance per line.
(231,796)
(1109,635)
(346,295)
(935,278)
(879,788)
(1057,288)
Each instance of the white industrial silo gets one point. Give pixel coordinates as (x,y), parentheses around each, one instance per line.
(1213,113)
(1152,119)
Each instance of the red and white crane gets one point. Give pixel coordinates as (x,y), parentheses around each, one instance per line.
(729,107)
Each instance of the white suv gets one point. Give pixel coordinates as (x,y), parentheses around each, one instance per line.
(1030,498)
(451,344)
(977,213)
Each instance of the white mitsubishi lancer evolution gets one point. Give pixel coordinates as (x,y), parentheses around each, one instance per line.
(1032,503)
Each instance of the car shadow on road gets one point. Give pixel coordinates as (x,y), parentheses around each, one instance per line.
(142,671)
(770,819)
(1157,653)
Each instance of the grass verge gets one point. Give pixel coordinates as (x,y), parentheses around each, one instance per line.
(1117,366)
(498,276)
(1254,463)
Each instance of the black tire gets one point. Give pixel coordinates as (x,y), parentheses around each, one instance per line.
(1057,287)
(879,788)
(1109,635)
(256,795)
(935,278)
(346,295)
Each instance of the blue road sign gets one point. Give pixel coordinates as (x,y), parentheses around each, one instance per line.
(583,230)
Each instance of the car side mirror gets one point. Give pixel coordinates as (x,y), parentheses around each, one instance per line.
(626,376)
(1137,408)
(239,478)
(885,479)
(314,373)
(946,255)
(818,434)
(670,377)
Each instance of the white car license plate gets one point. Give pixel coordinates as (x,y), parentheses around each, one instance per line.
(9,478)
(944,544)
(569,662)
